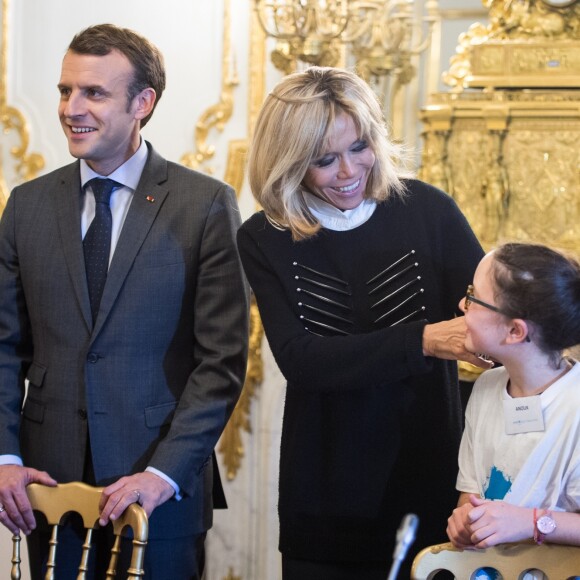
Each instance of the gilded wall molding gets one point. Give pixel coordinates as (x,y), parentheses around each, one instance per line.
(215,116)
(435,167)
(462,14)
(531,43)
(542,155)
(231,445)
(257,80)
(27,165)
(508,157)
(236,163)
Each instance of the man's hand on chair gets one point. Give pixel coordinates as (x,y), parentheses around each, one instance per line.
(144,488)
(15,509)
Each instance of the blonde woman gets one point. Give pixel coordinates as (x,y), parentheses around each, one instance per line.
(357,271)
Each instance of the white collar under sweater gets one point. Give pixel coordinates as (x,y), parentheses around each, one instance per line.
(332,218)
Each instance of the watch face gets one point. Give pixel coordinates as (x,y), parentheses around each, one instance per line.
(546,524)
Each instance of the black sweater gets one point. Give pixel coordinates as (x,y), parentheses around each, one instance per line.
(371,427)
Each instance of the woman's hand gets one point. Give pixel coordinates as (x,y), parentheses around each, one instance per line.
(446,340)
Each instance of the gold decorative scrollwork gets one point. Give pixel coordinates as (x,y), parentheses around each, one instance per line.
(231,445)
(27,164)
(526,43)
(532,19)
(282,57)
(219,114)
(512,158)
(434,168)
(237,152)
(231,576)
(544,182)
(257,84)
(495,188)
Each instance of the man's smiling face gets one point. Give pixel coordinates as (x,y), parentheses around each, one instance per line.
(99,122)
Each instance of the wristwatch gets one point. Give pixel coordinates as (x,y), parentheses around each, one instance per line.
(543,526)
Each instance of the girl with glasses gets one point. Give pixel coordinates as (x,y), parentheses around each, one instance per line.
(519,460)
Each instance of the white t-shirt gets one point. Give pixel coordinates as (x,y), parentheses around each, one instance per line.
(537,469)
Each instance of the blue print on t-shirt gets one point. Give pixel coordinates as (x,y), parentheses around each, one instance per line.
(498,485)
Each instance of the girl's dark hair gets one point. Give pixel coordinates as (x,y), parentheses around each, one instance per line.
(542,286)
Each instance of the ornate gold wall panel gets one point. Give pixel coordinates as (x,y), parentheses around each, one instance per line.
(511,160)
(216,116)
(257,80)
(23,165)
(528,43)
(236,163)
(231,576)
(516,64)
(543,157)
(231,443)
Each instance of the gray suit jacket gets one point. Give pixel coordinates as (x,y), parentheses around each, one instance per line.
(156,379)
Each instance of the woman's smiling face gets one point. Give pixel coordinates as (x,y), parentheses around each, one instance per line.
(340,174)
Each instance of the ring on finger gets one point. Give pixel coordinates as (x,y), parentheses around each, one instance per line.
(2,508)
(136,491)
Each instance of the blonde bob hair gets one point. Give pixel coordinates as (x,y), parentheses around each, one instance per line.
(292,130)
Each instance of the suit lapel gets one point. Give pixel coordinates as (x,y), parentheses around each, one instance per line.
(68,211)
(147,201)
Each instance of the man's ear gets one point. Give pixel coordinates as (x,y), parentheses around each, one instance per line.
(519,331)
(144,103)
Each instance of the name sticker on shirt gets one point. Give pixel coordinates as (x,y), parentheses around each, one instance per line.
(523,415)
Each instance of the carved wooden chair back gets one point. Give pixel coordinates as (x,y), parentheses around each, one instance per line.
(558,562)
(55,502)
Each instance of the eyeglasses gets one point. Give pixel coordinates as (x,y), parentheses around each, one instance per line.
(469,298)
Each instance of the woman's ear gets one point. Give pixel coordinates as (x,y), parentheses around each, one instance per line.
(519,331)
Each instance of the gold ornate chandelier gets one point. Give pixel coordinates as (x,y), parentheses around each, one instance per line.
(381,35)
(306,30)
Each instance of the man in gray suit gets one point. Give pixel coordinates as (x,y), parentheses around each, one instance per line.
(131,389)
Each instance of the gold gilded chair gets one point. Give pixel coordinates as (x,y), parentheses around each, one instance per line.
(558,562)
(55,502)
